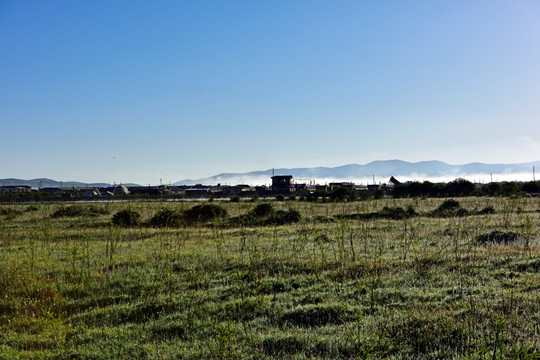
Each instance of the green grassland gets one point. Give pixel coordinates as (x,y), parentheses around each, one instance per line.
(388,278)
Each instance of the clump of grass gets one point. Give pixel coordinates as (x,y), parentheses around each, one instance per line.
(31,208)
(387,212)
(10,213)
(280,345)
(498,237)
(396,213)
(204,213)
(316,315)
(487,210)
(282,217)
(127,218)
(450,207)
(167,218)
(264,214)
(80,210)
(262,210)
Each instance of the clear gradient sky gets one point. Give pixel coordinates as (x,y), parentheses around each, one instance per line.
(138,91)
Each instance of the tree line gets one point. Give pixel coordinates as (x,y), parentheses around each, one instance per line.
(462,187)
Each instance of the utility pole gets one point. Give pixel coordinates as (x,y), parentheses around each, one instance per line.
(534,178)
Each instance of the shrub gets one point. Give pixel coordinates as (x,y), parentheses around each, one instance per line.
(450,207)
(282,345)
(315,315)
(280,197)
(262,210)
(395,213)
(500,237)
(95,210)
(487,210)
(450,204)
(282,217)
(167,218)
(69,211)
(80,210)
(204,213)
(10,213)
(127,218)
(234,199)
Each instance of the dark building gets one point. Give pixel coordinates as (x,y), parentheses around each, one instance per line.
(394,181)
(15,189)
(337,185)
(373,187)
(282,184)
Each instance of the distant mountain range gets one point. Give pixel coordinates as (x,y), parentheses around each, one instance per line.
(48,183)
(380,170)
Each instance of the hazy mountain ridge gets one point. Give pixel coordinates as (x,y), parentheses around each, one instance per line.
(380,169)
(49,183)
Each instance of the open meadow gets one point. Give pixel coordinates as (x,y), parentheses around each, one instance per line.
(390,278)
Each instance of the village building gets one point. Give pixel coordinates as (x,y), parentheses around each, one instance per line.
(282,184)
(15,189)
(238,190)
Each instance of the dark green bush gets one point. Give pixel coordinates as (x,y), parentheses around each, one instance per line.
(450,204)
(282,217)
(283,346)
(204,213)
(80,210)
(167,218)
(450,207)
(396,213)
(97,210)
(234,199)
(262,210)
(280,197)
(127,218)
(315,315)
(69,211)
(487,210)
(499,237)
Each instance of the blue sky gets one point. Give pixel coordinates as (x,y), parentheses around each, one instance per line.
(138,91)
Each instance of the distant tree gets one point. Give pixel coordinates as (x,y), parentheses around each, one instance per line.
(531,187)
(460,187)
(491,189)
(509,188)
(379,194)
(339,194)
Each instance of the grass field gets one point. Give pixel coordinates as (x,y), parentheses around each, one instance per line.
(349,280)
